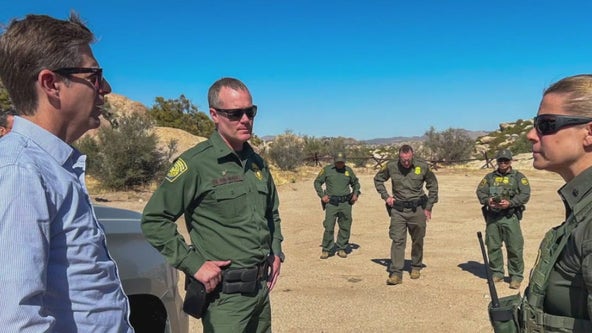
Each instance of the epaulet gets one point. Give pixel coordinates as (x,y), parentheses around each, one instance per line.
(196,150)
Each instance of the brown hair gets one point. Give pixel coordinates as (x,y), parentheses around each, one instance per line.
(35,43)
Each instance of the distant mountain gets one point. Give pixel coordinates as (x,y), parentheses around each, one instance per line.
(398,139)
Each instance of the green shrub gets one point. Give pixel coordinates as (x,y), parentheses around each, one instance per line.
(287,151)
(451,145)
(125,156)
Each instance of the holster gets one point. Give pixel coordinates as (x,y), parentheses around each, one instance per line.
(196,299)
(506,317)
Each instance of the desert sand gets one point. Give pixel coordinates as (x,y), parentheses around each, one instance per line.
(351,295)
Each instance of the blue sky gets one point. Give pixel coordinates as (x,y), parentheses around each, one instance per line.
(361,69)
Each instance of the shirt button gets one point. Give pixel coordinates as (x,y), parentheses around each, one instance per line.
(575,192)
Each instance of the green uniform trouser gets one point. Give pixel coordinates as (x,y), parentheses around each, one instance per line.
(342,213)
(239,313)
(401,222)
(507,230)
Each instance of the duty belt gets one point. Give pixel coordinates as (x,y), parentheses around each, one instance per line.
(244,280)
(411,204)
(337,199)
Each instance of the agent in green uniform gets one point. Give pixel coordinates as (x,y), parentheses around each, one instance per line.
(559,295)
(337,200)
(503,194)
(229,200)
(409,208)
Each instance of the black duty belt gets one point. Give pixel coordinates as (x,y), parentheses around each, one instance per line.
(244,280)
(411,204)
(337,199)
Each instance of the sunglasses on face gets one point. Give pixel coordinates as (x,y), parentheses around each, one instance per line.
(546,124)
(503,161)
(96,79)
(237,114)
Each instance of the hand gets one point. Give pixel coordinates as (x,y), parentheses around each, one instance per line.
(428,214)
(325,199)
(275,272)
(504,204)
(493,204)
(353,199)
(210,274)
(390,201)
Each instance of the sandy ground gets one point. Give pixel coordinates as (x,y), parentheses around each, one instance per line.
(350,295)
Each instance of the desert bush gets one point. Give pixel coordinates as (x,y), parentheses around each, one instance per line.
(125,156)
(521,145)
(451,145)
(359,155)
(181,113)
(91,148)
(287,151)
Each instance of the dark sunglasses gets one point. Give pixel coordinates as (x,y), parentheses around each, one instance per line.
(503,161)
(96,71)
(546,124)
(237,114)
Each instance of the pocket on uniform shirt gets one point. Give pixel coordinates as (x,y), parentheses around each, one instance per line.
(232,199)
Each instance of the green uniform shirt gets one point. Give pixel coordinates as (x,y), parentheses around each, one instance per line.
(337,181)
(512,186)
(230,205)
(407,184)
(569,292)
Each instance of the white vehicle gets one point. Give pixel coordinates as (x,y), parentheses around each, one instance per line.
(148,280)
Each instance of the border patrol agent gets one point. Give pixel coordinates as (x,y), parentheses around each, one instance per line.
(409,208)
(337,201)
(503,194)
(229,200)
(558,298)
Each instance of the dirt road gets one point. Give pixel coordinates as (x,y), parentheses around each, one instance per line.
(350,295)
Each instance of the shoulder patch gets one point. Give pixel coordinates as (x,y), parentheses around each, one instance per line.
(321,172)
(418,170)
(483,182)
(176,170)
(524,181)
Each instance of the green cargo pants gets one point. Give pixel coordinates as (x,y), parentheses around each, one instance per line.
(232,313)
(401,222)
(505,230)
(342,213)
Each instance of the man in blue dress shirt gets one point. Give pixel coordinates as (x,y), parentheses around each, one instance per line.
(56,274)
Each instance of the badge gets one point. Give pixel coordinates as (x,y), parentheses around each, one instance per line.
(176,170)
(524,181)
(257,171)
(418,170)
(346,173)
